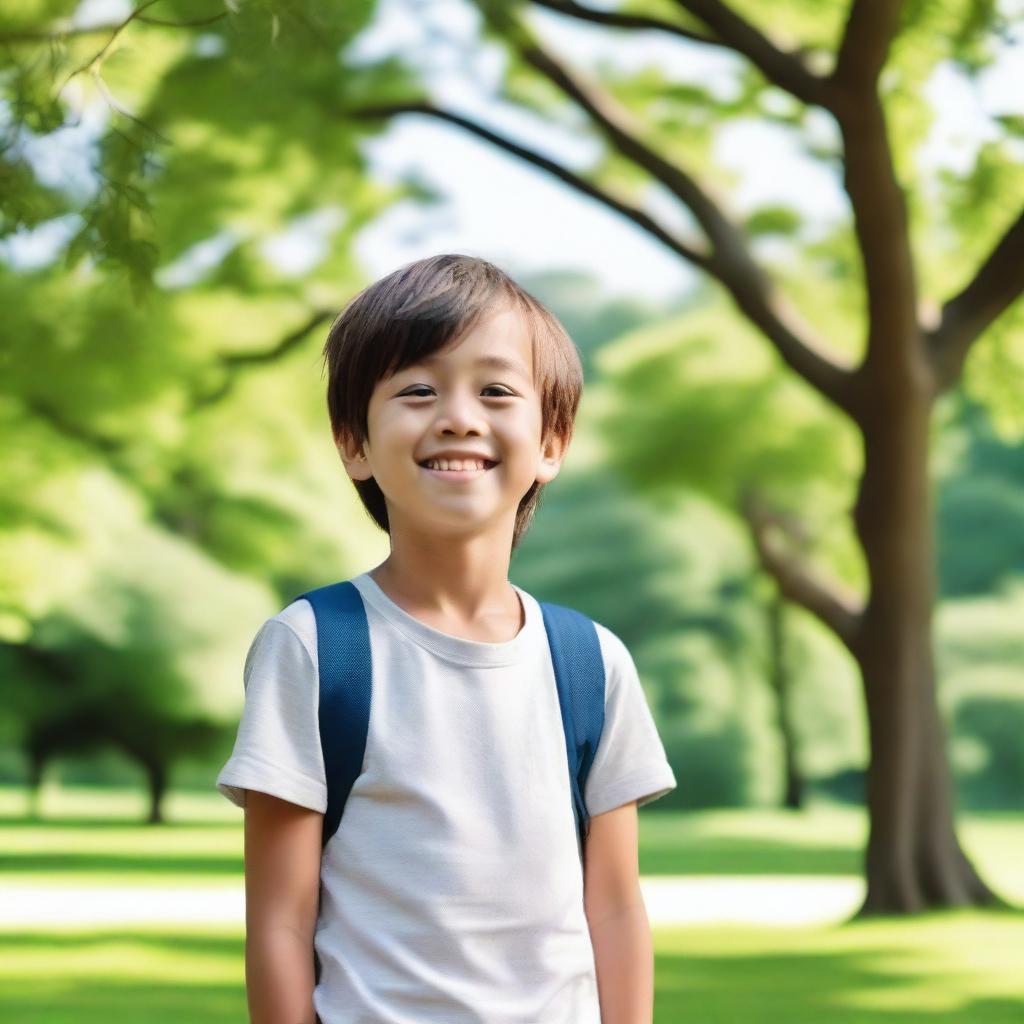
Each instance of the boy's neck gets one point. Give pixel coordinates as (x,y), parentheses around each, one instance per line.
(459,588)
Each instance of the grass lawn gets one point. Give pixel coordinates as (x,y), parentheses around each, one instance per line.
(958,968)
(946,969)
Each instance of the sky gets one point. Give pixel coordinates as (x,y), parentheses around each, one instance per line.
(517,215)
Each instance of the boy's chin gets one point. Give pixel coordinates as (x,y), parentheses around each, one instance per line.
(451,523)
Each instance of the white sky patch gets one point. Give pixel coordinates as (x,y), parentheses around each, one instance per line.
(64,158)
(30,250)
(197,260)
(99,12)
(969,108)
(629,51)
(304,243)
(509,212)
(209,44)
(783,176)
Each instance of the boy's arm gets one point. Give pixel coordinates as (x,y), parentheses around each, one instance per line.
(282,889)
(617,918)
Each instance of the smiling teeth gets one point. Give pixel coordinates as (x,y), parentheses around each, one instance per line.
(456,464)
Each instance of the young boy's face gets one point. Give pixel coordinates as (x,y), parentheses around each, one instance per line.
(460,400)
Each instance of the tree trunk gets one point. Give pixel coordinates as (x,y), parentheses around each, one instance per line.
(156,776)
(793,795)
(914,860)
(36,770)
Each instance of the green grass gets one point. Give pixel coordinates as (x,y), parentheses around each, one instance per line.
(170,976)
(962,968)
(826,841)
(958,968)
(93,837)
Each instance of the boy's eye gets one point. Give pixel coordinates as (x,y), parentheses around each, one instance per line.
(423,391)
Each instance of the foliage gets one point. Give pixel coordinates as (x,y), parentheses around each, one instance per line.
(165,449)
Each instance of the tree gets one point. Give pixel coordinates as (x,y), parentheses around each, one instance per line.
(913,352)
(146,525)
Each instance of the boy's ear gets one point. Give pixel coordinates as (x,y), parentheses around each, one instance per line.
(552,454)
(353,456)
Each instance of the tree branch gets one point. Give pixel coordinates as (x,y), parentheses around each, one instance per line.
(612,118)
(116,449)
(107,445)
(838,609)
(636,215)
(731,262)
(894,349)
(191,23)
(998,282)
(864,49)
(59,32)
(620,19)
(97,58)
(112,446)
(233,362)
(782,68)
(765,307)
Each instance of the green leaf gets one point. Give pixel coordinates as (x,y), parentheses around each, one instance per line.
(773,220)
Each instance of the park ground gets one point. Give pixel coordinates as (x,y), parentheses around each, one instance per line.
(748,914)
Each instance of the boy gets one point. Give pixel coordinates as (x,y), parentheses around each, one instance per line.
(453,889)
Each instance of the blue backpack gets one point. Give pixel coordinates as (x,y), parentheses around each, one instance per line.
(343,651)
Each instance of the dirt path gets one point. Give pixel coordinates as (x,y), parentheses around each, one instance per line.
(671,900)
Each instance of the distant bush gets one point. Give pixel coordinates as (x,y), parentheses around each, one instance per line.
(846,786)
(996,724)
(711,766)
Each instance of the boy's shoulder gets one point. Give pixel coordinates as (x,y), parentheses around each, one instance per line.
(294,622)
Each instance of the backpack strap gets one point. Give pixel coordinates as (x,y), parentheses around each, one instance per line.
(580,677)
(346,677)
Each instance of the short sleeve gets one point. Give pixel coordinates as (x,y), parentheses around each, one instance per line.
(630,763)
(277,748)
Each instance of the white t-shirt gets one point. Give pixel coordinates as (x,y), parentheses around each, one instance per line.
(452,891)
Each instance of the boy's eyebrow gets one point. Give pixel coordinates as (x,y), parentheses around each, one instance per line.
(496,362)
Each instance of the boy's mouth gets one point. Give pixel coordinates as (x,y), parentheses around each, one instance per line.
(457,468)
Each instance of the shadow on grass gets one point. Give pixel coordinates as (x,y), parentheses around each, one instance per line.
(117,987)
(171,941)
(863,987)
(120,864)
(99,823)
(66,858)
(91,1002)
(708,855)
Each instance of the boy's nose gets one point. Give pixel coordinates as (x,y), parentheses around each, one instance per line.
(458,416)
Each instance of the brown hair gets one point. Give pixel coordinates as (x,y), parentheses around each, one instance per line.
(416,310)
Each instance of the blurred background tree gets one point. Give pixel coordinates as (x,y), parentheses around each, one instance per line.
(155,482)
